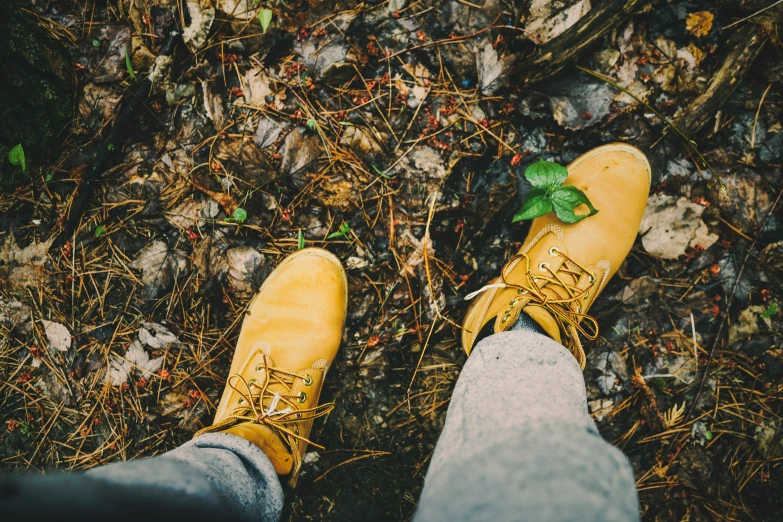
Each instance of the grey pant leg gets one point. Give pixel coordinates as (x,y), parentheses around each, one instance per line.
(216,466)
(519,443)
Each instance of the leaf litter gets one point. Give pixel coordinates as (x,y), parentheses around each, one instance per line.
(412,125)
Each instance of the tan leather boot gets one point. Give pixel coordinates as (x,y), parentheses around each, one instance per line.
(288,340)
(562,268)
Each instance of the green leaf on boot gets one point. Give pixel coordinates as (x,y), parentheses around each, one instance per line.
(546,175)
(536,204)
(549,195)
(566,199)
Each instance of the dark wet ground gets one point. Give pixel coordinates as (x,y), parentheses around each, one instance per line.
(185,167)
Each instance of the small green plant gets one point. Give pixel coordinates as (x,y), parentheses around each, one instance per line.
(16,157)
(311,124)
(128,65)
(26,429)
(238,216)
(265,17)
(381,173)
(301,242)
(100,230)
(549,195)
(769,312)
(343,232)
(96,43)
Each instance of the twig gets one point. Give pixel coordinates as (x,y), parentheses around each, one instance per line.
(754,14)
(457,39)
(756,118)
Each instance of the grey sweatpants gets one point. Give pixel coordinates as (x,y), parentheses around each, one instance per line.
(518,444)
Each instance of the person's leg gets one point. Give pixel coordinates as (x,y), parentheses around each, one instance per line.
(216,475)
(289,338)
(519,443)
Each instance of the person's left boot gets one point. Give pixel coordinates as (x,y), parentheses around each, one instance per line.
(289,338)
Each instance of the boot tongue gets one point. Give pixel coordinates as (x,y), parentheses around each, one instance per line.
(544,319)
(267,440)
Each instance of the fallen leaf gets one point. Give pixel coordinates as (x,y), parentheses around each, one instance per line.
(13,313)
(193,213)
(52,387)
(670,225)
(135,359)
(258,87)
(243,158)
(699,23)
(550,18)
(490,68)
(58,335)
(238,9)
(245,270)
(363,144)
(213,104)
(23,267)
(108,62)
(202,14)
(97,104)
(581,103)
(227,202)
(298,151)
(209,256)
(323,61)
(156,336)
(267,132)
(159,267)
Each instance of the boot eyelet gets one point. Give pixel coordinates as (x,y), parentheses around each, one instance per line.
(592,279)
(307,380)
(505,318)
(543,266)
(579,309)
(554,251)
(302,397)
(298,415)
(587,294)
(521,291)
(252,381)
(241,400)
(513,302)
(260,368)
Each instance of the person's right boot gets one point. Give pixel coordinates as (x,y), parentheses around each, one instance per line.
(288,340)
(562,268)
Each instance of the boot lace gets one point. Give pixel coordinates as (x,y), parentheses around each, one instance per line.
(280,411)
(562,299)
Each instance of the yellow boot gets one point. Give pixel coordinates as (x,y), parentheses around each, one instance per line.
(288,340)
(562,268)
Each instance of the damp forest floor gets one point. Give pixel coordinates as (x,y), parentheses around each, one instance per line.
(396,135)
